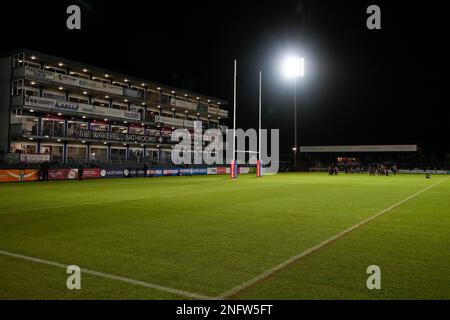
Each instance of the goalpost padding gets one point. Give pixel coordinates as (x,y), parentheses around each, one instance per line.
(258,168)
(233,169)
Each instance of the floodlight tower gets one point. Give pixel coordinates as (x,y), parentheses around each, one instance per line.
(293,68)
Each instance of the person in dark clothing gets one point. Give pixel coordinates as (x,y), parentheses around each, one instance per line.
(145,169)
(80,172)
(45,168)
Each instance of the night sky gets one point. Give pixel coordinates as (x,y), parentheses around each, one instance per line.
(388,86)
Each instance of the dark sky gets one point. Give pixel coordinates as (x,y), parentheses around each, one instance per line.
(361,87)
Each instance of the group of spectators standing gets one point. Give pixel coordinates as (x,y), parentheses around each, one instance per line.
(373,169)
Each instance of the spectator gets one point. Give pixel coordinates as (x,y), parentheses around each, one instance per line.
(80,172)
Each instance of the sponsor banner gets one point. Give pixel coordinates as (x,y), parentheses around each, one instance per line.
(80,107)
(241,170)
(212,170)
(39,73)
(222,170)
(176,172)
(34,157)
(66,105)
(62,174)
(91,173)
(174,121)
(122,137)
(132,93)
(39,102)
(183,104)
(94,85)
(114,173)
(109,112)
(213,110)
(18,175)
(171,172)
(186,172)
(153,132)
(69,80)
(73,81)
(199,171)
(170,121)
(155,172)
(132,115)
(223,113)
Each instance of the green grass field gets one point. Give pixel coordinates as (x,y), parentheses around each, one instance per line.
(209,234)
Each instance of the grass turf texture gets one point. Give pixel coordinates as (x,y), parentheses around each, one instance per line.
(209,234)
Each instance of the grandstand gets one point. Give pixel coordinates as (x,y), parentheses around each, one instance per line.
(67,112)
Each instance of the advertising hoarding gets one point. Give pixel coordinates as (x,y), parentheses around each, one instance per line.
(183,104)
(38,102)
(18,175)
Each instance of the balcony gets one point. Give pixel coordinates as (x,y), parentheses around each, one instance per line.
(55,129)
(79,108)
(109,89)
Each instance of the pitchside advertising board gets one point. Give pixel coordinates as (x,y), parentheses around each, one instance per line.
(17,175)
(70,174)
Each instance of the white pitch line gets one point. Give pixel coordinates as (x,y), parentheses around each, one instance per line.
(140,283)
(299,256)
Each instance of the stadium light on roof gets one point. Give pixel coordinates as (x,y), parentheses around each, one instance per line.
(294,67)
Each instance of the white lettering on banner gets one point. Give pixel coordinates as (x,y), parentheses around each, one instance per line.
(89,84)
(73,81)
(34,157)
(87,134)
(174,121)
(39,73)
(132,93)
(223,113)
(183,104)
(80,107)
(39,102)
(69,106)
(63,78)
(213,110)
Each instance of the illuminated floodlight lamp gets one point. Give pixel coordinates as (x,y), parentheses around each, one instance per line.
(294,67)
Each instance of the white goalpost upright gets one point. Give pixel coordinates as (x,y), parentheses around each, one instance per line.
(258,162)
(234,165)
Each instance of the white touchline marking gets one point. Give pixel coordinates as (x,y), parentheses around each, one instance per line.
(182,293)
(293,259)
